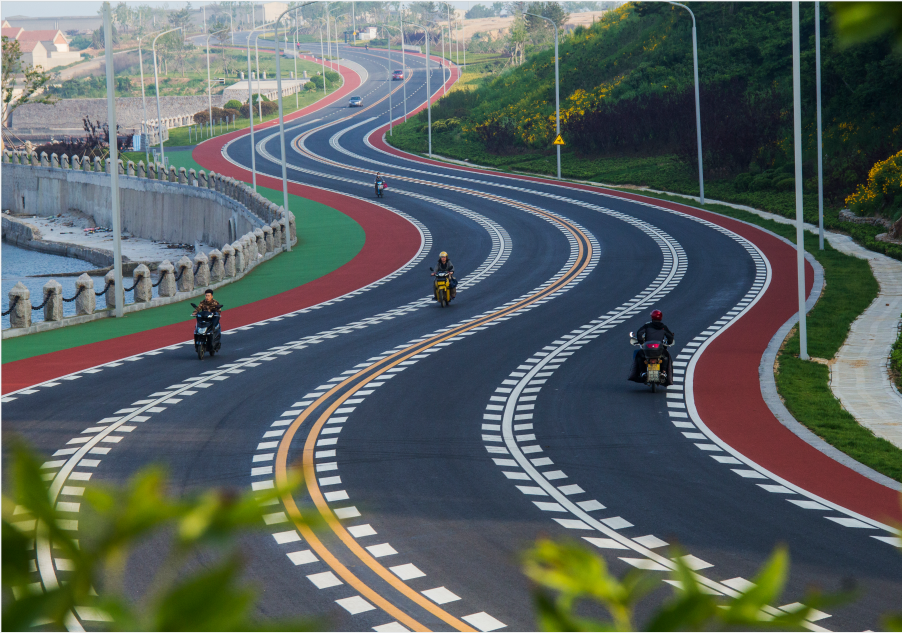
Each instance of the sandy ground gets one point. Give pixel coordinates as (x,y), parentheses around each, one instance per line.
(70,228)
(494,25)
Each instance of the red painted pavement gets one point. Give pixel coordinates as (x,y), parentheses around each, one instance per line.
(391,241)
(730,402)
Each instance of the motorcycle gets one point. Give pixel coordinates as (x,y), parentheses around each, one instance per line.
(442,287)
(207,333)
(653,354)
(380,187)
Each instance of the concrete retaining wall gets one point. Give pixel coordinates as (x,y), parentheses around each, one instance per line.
(151,209)
(24,235)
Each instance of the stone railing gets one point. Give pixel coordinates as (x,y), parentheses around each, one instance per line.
(272,228)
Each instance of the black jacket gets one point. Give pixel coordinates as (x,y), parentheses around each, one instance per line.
(447,267)
(655,331)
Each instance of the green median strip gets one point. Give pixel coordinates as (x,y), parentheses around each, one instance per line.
(849,288)
(327,239)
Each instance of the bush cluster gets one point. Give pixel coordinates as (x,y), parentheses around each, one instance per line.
(269,107)
(203,117)
(882,194)
(232,104)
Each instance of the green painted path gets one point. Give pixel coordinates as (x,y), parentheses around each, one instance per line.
(330,240)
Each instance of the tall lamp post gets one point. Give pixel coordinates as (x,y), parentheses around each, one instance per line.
(144,104)
(557,90)
(403,61)
(156,81)
(389,26)
(250,100)
(282,122)
(337,53)
(114,157)
(428,91)
(820,143)
(698,116)
(797,138)
(442,31)
(209,81)
(322,56)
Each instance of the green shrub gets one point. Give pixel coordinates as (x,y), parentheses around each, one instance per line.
(232,104)
(785,184)
(742,182)
(310,85)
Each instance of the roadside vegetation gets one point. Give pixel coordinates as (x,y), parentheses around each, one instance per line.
(896,361)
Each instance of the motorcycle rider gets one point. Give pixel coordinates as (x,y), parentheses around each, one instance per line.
(445,266)
(654,330)
(380,178)
(209,304)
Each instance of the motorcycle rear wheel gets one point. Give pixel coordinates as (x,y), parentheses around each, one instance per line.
(654,387)
(200,352)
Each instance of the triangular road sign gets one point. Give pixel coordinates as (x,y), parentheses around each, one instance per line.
(559,140)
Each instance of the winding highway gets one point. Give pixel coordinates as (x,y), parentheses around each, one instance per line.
(438,444)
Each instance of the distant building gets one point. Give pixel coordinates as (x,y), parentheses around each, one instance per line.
(269,11)
(6,24)
(47,48)
(367,33)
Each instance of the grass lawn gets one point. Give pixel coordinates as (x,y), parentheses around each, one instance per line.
(327,239)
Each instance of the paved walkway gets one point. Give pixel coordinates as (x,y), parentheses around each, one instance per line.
(859,375)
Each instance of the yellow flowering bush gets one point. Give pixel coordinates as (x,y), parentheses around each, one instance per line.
(882,194)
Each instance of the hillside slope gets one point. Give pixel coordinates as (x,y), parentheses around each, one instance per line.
(628,111)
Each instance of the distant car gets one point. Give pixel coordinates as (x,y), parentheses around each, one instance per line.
(355,102)
(398,75)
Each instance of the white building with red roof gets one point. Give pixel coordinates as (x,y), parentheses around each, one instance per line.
(47,49)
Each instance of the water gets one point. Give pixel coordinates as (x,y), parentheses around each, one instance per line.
(18,264)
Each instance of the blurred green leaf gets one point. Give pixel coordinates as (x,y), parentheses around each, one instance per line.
(862,21)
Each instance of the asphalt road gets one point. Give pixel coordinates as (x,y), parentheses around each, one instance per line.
(467,432)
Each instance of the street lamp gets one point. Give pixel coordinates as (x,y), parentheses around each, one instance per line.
(428,91)
(144,103)
(403,61)
(282,123)
(322,55)
(250,100)
(209,81)
(442,31)
(113,163)
(557,91)
(403,83)
(698,116)
(337,53)
(797,138)
(156,81)
(820,143)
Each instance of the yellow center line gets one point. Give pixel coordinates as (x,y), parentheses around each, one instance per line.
(381,366)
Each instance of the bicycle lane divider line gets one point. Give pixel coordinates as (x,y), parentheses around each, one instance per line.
(744,421)
(581,261)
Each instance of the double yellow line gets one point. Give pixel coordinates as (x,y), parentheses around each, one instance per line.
(362,378)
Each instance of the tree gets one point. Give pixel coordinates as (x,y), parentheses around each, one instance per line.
(21,84)
(517,37)
(181,18)
(98,40)
(480,11)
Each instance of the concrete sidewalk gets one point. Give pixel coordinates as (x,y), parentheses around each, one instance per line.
(859,374)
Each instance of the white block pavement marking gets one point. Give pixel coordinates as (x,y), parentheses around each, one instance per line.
(407,572)
(355,605)
(483,622)
(324,580)
(440,595)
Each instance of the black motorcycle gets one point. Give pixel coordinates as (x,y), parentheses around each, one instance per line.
(654,360)
(207,332)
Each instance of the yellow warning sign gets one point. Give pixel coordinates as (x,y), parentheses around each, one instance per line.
(559,140)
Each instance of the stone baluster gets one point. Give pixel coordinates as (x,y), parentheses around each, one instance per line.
(250,251)
(283,226)
(186,268)
(192,177)
(110,279)
(45,160)
(35,161)
(261,242)
(173,175)
(143,284)
(20,314)
(7,155)
(267,237)
(53,301)
(86,302)
(98,165)
(64,162)
(152,171)
(228,260)
(217,270)
(202,179)
(108,165)
(202,275)
(292,226)
(167,273)
(54,161)
(238,260)
(131,168)
(142,170)
(276,235)
(121,167)
(183,176)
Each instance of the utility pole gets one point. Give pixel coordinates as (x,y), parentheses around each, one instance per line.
(797,138)
(820,140)
(113,160)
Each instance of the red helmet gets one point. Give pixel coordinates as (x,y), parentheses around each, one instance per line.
(657,315)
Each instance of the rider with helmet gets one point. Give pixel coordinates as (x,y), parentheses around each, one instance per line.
(654,330)
(445,266)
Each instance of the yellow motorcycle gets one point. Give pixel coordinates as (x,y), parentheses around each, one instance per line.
(442,287)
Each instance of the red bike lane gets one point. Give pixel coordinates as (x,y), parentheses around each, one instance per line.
(390,242)
(730,402)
